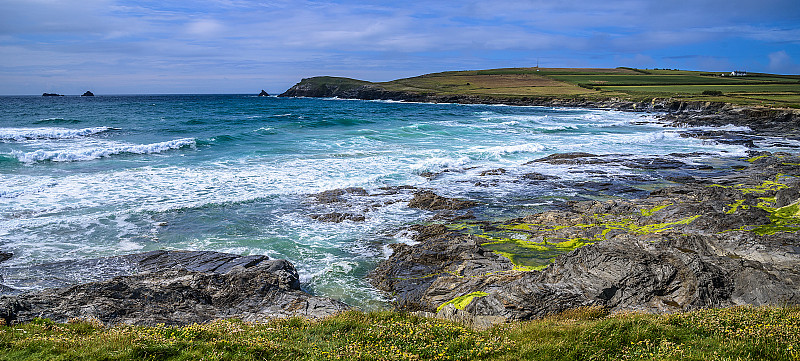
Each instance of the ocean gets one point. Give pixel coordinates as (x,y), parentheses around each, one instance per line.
(88,177)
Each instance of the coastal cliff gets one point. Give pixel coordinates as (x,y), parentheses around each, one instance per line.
(697,113)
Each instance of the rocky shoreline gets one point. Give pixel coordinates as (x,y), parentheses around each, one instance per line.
(177,288)
(710,239)
(714,242)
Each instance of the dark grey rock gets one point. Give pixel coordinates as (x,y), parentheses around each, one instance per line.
(681,248)
(179,287)
(337,217)
(337,195)
(430,201)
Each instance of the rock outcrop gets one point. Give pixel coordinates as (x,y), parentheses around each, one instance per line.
(263,93)
(178,287)
(51,95)
(87,94)
(726,241)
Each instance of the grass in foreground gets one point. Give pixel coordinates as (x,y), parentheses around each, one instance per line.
(740,333)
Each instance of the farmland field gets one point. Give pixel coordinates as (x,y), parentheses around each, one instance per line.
(772,90)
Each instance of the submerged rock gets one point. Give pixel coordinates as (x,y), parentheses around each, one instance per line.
(179,287)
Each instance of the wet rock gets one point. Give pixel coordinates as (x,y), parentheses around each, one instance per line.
(179,288)
(498,171)
(532,176)
(337,195)
(337,217)
(564,158)
(430,201)
(443,266)
(5,256)
(451,216)
(654,163)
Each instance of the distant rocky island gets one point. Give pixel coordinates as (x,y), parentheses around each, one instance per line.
(263,93)
(51,95)
(87,94)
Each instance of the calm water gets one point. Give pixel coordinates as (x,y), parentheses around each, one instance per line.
(110,175)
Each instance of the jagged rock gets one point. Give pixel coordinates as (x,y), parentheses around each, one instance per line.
(263,93)
(442,266)
(337,217)
(336,195)
(557,157)
(87,94)
(498,171)
(722,243)
(533,176)
(430,201)
(179,287)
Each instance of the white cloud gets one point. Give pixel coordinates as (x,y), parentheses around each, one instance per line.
(781,62)
(205,27)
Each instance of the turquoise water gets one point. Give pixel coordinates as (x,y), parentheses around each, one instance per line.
(109,175)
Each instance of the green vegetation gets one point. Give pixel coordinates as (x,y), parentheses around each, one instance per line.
(532,247)
(739,333)
(595,84)
(461,302)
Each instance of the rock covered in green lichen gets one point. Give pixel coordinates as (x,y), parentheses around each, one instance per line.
(718,242)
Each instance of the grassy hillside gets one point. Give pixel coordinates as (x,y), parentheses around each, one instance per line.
(742,333)
(636,84)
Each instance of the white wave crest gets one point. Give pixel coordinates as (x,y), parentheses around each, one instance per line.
(438,164)
(73,155)
(511,149)
(22,134)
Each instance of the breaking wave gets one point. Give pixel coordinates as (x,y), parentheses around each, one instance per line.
(22,134)
(73,155)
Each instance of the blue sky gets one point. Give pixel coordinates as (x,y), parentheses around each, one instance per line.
(243,46)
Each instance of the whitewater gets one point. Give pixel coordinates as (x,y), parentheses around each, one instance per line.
(82,178)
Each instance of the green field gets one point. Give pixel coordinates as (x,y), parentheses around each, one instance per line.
(741,333)
(772,90)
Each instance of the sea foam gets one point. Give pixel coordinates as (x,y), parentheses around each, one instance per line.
(22,134)
(91,153)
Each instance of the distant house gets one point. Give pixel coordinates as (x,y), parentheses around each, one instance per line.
(738,73)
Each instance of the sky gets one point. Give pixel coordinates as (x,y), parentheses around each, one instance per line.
(243,46)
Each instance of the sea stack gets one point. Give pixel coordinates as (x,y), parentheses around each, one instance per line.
(87,94)
(263,93)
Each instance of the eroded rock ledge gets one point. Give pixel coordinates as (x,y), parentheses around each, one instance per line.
(731,240)
(178,287)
